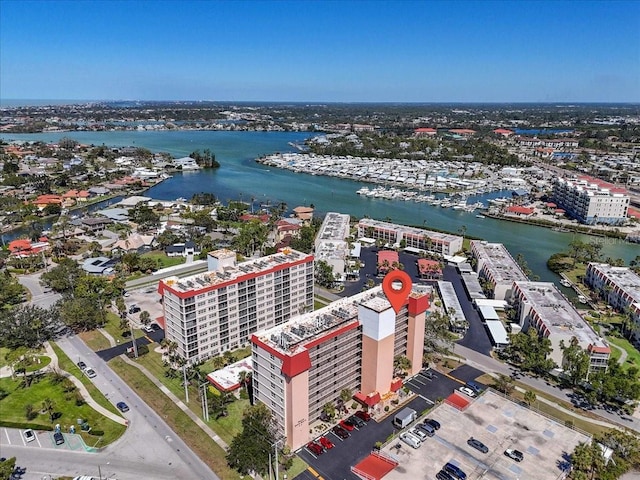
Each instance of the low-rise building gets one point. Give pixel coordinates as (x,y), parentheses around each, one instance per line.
(182,249)
(300,366)
(331,245)
(542,306)
(496,267)
(620,287)
(427,240)
(209,313)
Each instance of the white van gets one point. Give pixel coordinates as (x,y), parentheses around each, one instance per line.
(410,440)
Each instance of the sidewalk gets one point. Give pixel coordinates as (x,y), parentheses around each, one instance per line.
(54,366)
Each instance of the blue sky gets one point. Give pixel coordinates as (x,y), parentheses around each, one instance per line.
(322,51)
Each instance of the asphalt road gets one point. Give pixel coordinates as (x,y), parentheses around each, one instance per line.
(113,352)
(40,296)
(148,442)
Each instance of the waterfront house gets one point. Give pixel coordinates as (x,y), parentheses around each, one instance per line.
(99,265)
(25,248)
(182,249)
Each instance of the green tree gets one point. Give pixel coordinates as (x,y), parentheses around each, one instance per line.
(324,275)
(11,292)
(329,409)
(504,384)
(27,326)
(80,313)
(575,361)
(145,317)
(63,277)
(401,365)
(7,467)
(346,395)
(49,407)
(438,338)
(249,451)
(530,397)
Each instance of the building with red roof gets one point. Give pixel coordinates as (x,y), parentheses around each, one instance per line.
(429,268)
(43,200)
(519,210)
(425,132)
(25,248)
(386,261)
(503,132)
(465,132)
(306,362)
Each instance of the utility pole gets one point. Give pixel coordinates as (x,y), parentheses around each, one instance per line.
(204,401)
(184,380)
(133,339)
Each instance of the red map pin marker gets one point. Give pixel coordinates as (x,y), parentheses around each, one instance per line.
(397,296)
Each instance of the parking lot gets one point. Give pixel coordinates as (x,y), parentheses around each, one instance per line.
(43,439)
(499,424)
(147,299)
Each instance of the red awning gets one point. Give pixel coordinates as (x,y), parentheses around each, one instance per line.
(368,400)
(396,384)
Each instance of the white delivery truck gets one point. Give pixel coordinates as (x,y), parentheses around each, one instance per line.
(404,417)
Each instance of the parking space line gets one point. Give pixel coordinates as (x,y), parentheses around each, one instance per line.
(38,440)
(426,399)
(6,432)
(414,379)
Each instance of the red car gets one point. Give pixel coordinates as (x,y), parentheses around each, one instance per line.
(341,432)
(347,425)
(326,443)
(363,415)
(314,448)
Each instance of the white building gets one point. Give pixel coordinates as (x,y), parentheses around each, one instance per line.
(542,306)
(436,242)
(621,288)
(495,264)
(208,313)
(331,245)
(591,201)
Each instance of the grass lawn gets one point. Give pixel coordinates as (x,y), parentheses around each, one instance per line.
(317,304)
(113,327)
(94,340)
(633,355)
(3,353)
(152,361)
(162,260)
(13,408)
(231,425)
(68,365)
(209,451)
(576,274)
(34,365)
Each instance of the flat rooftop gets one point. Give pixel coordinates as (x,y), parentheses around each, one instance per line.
(623,278)
(450,301)
(230,273)
(334,227)
(558,314)
(498,259)
(444,237)
(289,337)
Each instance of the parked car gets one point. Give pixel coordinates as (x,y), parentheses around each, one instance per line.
(428,374)
(347,425)
(476,387)
(410,440)
(58,438)
(358,422)
(467,391)
(315,448)
(478,445)
(434,423)
(134,309)
(428,429)
(123,407)
(341,432)
(148,329)
(155,327)
(514,454)
(29,435)
(326,443)
(363,415)
(90,372)
(420,433)
(455,471)
(82,365)
(444,475)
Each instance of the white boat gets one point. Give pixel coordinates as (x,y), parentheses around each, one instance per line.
(582,299)
(480,216)
(565,283)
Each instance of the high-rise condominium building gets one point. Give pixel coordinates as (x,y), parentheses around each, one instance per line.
(208,313)
(591,201)
(301,365)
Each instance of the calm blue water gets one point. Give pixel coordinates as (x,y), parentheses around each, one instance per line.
(240,177)
(541,131)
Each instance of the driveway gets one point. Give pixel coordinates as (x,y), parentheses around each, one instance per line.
(40,296)
(113,352)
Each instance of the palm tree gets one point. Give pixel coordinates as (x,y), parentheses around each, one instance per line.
(217,362)
(49,407)
(329,410)
(345,395)
(242,379)
(401,364)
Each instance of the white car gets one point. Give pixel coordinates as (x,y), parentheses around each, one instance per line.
(29,435)
(410,440)
(467,391)
(418,432)
(90,372)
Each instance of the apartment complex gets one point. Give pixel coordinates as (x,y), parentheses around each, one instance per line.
(621,288)
(331,245)
(542,306)
(442,243)
(208,313)
(495,264)
(305,363)
(591,201)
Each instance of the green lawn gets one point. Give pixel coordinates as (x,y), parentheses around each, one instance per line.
(13,408)
(113,327)
(95,340)
(34,365)
(162,260)
(152,361)
(231,425)
(633,355)
(209,451)
(3,353)
(69,365)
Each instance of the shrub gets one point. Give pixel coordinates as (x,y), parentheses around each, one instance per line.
(96,433)
(30,411)
(355,405)
(386,408)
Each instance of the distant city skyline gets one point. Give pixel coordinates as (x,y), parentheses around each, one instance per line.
(323,51)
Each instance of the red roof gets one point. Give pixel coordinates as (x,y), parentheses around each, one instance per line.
(593,348)
(520,210)
(388,255)
(396,384)
(426,130)
(374,467)
(247,217)
(551,205)
(502,131)
(425,265)
(632,212)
